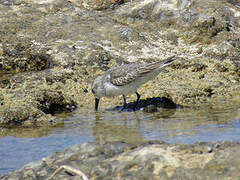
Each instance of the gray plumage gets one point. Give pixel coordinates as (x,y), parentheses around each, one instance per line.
(126,79)
(127,73)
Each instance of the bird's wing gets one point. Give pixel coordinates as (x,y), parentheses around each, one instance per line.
(128,73)
(125,74)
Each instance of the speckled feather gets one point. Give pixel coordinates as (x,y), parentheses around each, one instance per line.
(128,73)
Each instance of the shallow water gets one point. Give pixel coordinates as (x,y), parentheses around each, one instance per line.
(185,125)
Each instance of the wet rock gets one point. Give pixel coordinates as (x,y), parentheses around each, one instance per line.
(198,67)
(149,105)
(37,110)
(24,56)
(150,109)
(53,102)
(152,160)
(105,4)
(1,51)
(4,79)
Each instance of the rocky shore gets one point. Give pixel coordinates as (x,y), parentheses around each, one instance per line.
(151,160)
(51,50)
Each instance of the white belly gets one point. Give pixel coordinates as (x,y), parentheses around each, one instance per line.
(112,90)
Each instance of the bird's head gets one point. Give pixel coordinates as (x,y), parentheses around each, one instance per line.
(98,90)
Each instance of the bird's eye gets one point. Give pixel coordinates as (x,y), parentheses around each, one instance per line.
(93,91)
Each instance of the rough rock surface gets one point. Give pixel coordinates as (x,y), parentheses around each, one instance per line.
(151,160)
(50,51)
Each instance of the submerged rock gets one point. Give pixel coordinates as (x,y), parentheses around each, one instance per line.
(150,109)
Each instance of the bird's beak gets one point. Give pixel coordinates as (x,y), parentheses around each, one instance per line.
(96,103)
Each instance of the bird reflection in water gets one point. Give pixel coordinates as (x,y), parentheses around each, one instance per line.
(128,131)
(104,132)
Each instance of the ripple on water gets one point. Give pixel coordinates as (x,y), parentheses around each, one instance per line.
(21,146)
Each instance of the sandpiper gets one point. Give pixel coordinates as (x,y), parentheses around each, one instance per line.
(126,79)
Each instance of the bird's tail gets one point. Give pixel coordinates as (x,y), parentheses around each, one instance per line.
(169,60)
(162,64)
(154,67)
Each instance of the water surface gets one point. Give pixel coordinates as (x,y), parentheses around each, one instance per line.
(185,125)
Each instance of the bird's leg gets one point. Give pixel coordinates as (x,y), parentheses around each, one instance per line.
(138,98)
(124,102)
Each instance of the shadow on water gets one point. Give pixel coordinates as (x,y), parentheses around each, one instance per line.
(149,105)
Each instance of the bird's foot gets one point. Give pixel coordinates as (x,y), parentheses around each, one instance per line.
(124,107)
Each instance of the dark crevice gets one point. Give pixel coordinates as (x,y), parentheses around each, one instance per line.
(150,104)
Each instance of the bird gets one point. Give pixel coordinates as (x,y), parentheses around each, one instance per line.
(126,79)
